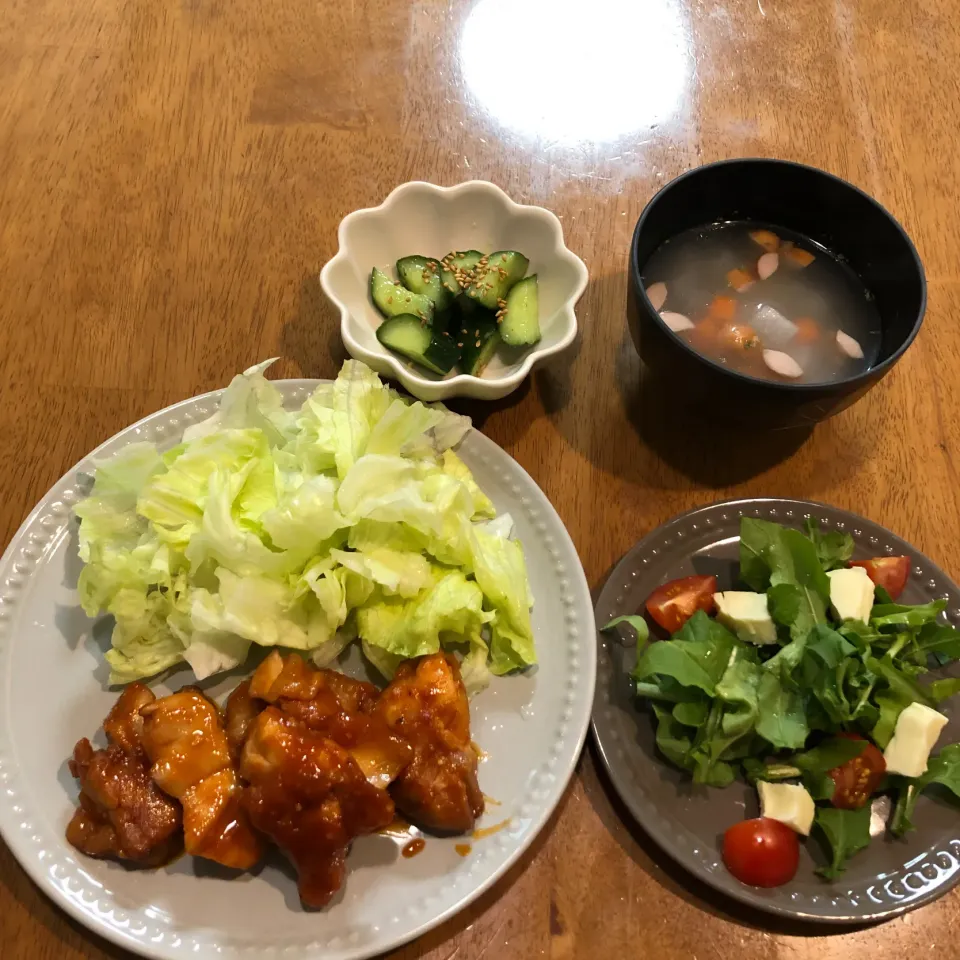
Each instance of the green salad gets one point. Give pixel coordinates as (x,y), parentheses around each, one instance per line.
(351,517)
(807,681)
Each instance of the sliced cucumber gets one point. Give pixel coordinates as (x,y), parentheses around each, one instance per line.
(424,276)
(394,300)
(449,279)
(494,276)
(520,319)
(460,265)
(411,338)
(479,338)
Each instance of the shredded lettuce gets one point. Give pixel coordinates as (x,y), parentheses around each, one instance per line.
(352,517)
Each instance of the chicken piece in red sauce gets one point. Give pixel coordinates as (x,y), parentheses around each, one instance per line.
(311,798)
(241,711)
(338,707)
(122,813)
(184,738)
(426,703)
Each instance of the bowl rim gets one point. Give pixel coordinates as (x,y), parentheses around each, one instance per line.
(448,385)
(855,380)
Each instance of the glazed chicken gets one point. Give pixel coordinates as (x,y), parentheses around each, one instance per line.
(310,759)
(122,813)
(242,709)
(184,739)
(338,707)
(426,703)
(311,798)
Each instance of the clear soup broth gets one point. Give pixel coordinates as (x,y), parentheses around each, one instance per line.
(764,301)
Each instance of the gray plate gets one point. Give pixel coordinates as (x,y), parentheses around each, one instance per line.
(688,821)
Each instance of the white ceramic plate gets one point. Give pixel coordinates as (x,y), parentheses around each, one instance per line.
(421,218)
(52,692)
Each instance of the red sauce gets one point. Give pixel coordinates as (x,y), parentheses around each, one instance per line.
(399,830)
(463,849)
(414,847)
(490,831)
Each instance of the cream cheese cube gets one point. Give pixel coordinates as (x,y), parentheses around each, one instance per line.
(746,614)
(917,729)
(851,593)
(789,803)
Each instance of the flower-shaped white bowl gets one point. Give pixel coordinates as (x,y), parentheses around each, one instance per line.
(420,218)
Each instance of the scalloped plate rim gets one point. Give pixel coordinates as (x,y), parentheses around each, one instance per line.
(603,735)
(580,625)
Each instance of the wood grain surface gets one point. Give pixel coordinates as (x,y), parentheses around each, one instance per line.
(172,173)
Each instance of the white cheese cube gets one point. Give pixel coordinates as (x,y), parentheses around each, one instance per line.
(913,738)
(789,803)
(746,614)
(851,593)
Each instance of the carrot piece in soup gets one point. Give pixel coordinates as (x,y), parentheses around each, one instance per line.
(740,279)
(808,330)
(722,307)
(766,239)
(801,257)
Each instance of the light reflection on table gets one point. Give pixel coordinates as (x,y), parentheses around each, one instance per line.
(565,71)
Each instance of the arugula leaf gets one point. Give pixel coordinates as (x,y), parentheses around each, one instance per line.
(702,629)
(943,769)
(846,832)
(755,770)
(638,623)
(749,746)
(859,635)
(836,683)
(901,690)
(674,740)
(782,721)
(834,548)
(820,786)
(901,686)
(692,714)
(676,743)
(734,712)
(890,708)
(828,646)
(940,641)
(897,615)
(668,690)
(805,571)
(785,601)
(771,556)
(880,594)
(828,754)
(941,690)
(757,540)
(697,655)
(812,766)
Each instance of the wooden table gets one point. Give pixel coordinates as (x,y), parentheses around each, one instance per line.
(172,173)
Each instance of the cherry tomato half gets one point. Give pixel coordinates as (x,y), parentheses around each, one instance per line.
(673,604)
(761,852)
(857,778)
(888,572)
